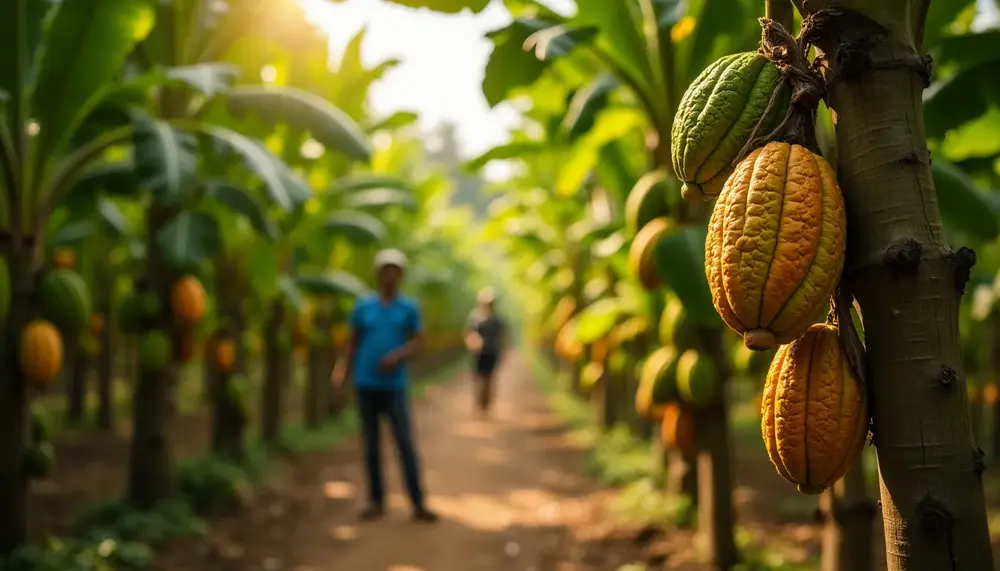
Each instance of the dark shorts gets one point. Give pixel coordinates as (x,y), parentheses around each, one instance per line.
(484,363)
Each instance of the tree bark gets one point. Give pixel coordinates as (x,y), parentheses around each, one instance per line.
(276,363)
(847,515)
(76,379)
(228,412)
(318,372)
(14,402)
(908,282)
(105,370)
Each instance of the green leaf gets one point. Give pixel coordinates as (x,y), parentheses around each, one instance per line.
(379,198)
(596,321)
(446,6)
(365,182)
(357,227)
(241,202)
(85,45)
(939,16)
(397,120)
(335,282)
(12,55)
(961,98)
(559,40)
(113,219)
(305,111)
(115,178)
(519,149)
(964,207)
(165,160)
(189,239)
(73,233)
(621,32)
(612,124)
(291,291)
(974,140)
(680,259)
(285,189)
(586,103)
(722,27)
(509,65)
(206,78)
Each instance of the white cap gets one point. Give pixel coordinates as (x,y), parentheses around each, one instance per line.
(486,295)
(390,258)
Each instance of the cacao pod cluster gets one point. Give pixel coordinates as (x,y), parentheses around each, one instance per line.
(774,253)
(676,378)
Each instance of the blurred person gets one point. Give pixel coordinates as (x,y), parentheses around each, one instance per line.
(485,334)
(386,332)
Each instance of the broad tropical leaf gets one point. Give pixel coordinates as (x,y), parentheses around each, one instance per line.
(116,178)
(964,207)
(73,232)
(379,198)
(721,27)
(596,321)
(10,52)
(189,239)
(680,259)
(336,282)
(397,120)
(509,65)
(961,98)
(285,188)
(939,16)
(85,46)
(291,291)
(112,218)
(514,150)
(165,160)
(356,227)
(366,182)
(305,111)
(206,78)
(621,33)
(559,40)
(586,103)
(241,202)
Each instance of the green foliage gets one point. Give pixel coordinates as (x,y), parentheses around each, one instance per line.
(211,485)
(92,554)
(168,520)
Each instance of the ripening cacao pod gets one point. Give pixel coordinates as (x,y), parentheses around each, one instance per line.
(187,300)
(676,326)
(646,201)
(155,351)
(641,261)
(657,382)
(697,378)
(567,346)
(991,393)
(775,245)
(40,352)
(225,355)
(63,258)
(563,312)
(814,415)
(715,118)
(677,428)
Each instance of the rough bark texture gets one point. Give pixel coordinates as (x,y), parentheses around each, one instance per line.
(847,515)
(276,372)
(150,464)
(904,275)
(14,405)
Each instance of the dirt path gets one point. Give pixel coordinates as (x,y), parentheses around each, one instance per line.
(508,488)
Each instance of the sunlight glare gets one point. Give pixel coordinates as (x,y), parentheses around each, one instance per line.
(268,73)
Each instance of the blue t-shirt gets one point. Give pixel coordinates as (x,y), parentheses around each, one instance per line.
(381,328)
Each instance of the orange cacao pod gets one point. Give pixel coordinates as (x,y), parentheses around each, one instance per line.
(677,428)
(40,352)
(187,300)
(225,355)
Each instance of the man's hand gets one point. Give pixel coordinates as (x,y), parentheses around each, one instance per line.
(473,342)
(390,361)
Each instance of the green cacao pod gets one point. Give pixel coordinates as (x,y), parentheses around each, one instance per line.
(697,380)
(750,362)
(41,426)
(39,460)
(155,351)
(657,382)
(5,289)
(150,305)
(715,118)
(647,200)
(640,255)
(676,326)
(65,301)
(130,318)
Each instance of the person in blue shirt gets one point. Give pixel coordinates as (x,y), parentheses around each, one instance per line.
(387,329)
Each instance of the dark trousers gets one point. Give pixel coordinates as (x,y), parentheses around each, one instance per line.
(484,364)
(394,404)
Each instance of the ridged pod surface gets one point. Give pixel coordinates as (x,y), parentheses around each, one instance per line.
(640,254)
(814,418)
(187,300)
(775,245)
(715,118)
(40,352)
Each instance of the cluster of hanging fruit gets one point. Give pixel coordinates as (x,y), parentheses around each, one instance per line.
(141,313)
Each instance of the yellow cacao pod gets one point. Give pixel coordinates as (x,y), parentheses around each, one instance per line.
(677,428)
(187,300)
(40,352)
(775,246)
(641,261)
(814,415)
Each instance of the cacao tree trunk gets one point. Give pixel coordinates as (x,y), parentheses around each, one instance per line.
(317,372)
(105,369)
(14,399)
(277,363)
(716,519)
(908,282)
(847,514)
(228,410)
(150,464)
(75,372)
